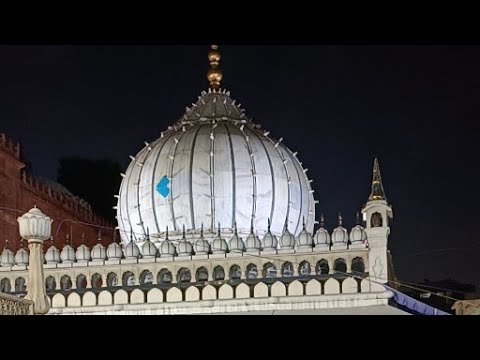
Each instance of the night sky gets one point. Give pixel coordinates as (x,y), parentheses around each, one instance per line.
(415,107)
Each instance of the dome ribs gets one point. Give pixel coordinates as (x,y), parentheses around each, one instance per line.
(271,173)
(254,177)
(287,219)
(192,208)
(212,176)
(143,156)
(126,179)
(301,194)
(234,183)
(155,215)
(170,176)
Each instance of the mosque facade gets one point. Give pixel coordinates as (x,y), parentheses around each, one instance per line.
(216,216)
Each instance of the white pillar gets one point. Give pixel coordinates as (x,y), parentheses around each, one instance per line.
(36,228)
(378,239)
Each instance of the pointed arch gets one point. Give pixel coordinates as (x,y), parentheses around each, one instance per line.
(50,284)
(322,267)
(81,282)
(235,272)
(218,273)
(66,283)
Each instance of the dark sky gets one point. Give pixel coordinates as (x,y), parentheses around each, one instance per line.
(415,107)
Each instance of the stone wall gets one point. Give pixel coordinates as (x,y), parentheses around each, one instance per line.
(19,192)
(12,305)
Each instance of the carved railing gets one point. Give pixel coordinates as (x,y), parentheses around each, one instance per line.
(12,305)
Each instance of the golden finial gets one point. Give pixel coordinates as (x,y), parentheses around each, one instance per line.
(214,74)
(378,193)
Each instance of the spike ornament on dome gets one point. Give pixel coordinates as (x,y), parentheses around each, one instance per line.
(214,74)
(378,193)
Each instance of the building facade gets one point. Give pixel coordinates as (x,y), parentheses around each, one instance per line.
(218,217)
(74,219)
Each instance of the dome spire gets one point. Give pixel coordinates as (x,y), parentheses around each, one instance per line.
(377,186)
(214,74)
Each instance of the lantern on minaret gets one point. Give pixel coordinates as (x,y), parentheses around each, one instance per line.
(36,227)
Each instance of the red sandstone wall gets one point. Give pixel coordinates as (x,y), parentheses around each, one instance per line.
(19,193)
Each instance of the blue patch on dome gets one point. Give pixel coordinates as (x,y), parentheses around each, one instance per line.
(162,187)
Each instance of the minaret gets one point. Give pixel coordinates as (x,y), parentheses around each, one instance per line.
(377,213)
(214,74)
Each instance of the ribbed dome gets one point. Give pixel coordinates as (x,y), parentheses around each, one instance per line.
(214,166)
(219,245)
(132,251)
(52,256)
(114,252)
(287,241)
(184,247)
(83,253)
(99,253)
(305,239)
(202,246)
(253,243)
(68,254)
(358,235)
(149,250)
(340,234)
(322,238)
(167,249)
(22,257)
(236,244)
(7,258)
(270,241)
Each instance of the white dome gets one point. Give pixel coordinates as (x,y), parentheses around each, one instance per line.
(167,249)
(99,253)
(236,243)
(7,258)
(22,257)
(202,246)
(52,256)
(68,254)
(219,245)
(184,248)
(270,241)
(322,237)
(132,251)
(83,253)
(214,166)
(114,252)
(253,243)
(305,240)
(340,234)
(358,235)
(149,250)
(287,241)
